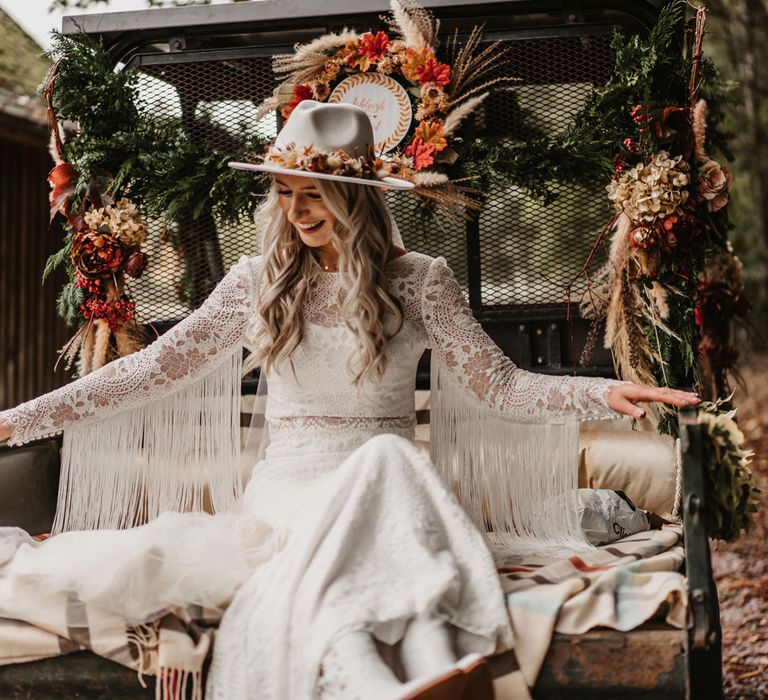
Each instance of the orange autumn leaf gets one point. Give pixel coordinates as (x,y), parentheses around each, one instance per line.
(354,55)
(414,60)
(431,132)
(374,45)
(62,179)
(434,72)
(422,153)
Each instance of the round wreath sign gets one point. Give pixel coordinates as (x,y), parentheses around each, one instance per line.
(384,100)
(417,100)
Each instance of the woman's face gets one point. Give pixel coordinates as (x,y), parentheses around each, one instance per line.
(304,208)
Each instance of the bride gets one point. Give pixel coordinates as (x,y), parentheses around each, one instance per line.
(344,537)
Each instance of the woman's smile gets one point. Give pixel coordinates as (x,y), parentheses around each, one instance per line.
(309,226)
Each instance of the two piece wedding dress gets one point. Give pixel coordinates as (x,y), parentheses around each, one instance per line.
(344,524)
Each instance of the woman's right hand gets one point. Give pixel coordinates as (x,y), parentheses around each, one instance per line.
(5,431)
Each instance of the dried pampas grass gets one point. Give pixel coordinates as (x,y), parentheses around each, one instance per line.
(471,66)
(84,364)
(457,116)
(129,338)
(324,43)
(308,60)
(455,202)
(601,288)
(659,296)
(416,25)
(425,178)
(102,334)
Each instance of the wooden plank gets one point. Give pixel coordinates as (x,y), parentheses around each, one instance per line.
(30,331)
(649,662)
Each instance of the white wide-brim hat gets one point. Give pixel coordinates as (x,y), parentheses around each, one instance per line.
(327,142)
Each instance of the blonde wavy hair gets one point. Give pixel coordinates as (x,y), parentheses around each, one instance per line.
(363,237)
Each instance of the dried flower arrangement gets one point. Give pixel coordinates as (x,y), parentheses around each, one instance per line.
(103,244)
(668,250)
(444,92)
(118,167)
(672,286)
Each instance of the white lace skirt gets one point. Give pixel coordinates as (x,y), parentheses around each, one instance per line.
(373,538)
(337,531)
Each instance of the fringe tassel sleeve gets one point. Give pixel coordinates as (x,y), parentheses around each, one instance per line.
(474,361)
(504,439)
(142,433)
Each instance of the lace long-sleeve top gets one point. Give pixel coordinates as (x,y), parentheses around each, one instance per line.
(318,385)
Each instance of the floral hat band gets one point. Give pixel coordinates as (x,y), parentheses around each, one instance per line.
(327,141)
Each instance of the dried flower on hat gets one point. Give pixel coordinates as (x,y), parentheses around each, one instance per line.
(315,160)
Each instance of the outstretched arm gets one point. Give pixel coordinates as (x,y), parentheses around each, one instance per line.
(190,350)
(476,362)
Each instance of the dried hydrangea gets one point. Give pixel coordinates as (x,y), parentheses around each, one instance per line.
(123,221)
(651,191)
(126,224)
(94,218)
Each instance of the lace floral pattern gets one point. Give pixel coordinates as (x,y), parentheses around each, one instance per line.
(317,384)
(190,350)
(477,363)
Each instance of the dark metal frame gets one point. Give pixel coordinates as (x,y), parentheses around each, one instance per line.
(705,635)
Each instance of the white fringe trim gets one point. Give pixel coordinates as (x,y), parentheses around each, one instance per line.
(516,478)
(167,455)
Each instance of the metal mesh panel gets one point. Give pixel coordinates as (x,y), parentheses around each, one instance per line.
(217,101)
(528,251)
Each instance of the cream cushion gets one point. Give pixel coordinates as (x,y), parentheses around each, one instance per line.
(640,463)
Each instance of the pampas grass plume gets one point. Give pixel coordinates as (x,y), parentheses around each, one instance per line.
(101,344)
(428,179)
(325,42)
(458,115)
(409,30)
(659,295)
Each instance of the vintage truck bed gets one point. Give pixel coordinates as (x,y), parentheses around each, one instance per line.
(655,661)
(599,664)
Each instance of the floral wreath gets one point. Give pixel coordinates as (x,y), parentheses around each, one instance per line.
(444,91)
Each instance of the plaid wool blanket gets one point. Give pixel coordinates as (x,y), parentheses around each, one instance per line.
(620,586)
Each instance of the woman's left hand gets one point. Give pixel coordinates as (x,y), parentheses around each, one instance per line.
(623,398)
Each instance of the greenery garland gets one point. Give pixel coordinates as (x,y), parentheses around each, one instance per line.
(732,493)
